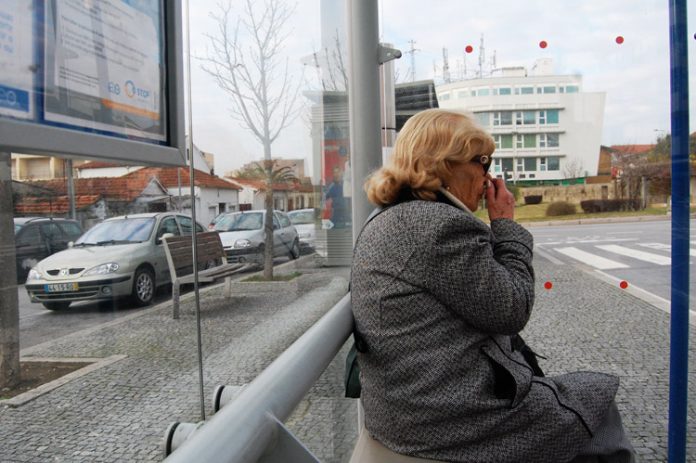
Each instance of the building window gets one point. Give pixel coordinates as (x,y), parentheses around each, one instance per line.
(503,142)
(542,164)
(497,165)
(463,94)
(527,140)
(554,163)
(548,116)
(550,89)
(502,118)
(524,90)
(444,96)
(572,89)
(505,91)
(530,164)
(525,117)
(506,164)
(532,176)
(520,165)
(483,118)
(483,92)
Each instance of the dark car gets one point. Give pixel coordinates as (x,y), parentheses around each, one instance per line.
(38,237)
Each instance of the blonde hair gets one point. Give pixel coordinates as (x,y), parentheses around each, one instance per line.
(425,150)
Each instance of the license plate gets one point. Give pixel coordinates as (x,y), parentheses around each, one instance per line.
(61,287)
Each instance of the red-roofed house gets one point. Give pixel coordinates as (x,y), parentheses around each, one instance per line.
(286,196)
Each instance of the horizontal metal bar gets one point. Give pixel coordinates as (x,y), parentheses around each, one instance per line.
(245,428)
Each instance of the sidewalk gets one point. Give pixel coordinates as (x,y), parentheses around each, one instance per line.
(120,412)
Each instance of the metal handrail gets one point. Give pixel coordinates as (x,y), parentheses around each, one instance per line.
(248,427)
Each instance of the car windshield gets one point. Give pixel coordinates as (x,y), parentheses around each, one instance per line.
(240,221)
(17,228)
(119,231)
(301,217)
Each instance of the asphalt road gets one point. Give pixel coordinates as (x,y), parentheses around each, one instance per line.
(636,252)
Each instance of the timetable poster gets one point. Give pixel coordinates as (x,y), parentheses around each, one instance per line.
(104,66)
(17,59)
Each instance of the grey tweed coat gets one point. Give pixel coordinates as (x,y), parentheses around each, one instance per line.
(436,294)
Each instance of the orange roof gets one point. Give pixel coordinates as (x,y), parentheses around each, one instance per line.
(167,176)
(118,188)
(28,205)
(632,149)
(98,165)
(260,185)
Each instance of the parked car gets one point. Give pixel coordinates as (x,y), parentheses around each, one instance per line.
(242,236)
(121,256)
(38,237)
(306,221)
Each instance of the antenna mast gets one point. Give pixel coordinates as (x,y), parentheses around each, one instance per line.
(482,58)
(412,52)
(445,66)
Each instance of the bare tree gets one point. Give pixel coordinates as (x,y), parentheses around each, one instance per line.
(246,60)
(572,168)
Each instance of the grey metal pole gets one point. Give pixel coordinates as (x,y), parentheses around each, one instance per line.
(364,102)
(194,232)
(9,309)
(71,187)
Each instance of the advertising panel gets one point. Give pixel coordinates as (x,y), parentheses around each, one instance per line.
(17,59)
(103,66)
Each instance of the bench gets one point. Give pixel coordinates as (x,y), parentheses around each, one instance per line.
(211,258)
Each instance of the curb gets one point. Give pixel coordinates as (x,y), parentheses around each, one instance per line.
(636,218)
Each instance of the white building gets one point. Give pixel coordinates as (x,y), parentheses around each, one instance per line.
(546,128)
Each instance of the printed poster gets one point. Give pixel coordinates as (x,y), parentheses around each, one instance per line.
(17,55)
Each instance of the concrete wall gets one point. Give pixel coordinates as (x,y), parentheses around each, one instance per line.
(571,193)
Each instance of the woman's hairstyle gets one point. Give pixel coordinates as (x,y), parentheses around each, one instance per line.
(427,147)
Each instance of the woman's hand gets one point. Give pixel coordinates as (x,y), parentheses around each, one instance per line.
(499,201)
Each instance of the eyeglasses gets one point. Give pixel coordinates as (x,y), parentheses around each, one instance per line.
(484,160)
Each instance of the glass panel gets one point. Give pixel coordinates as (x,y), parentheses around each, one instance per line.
(552,116)
(506,141)
(505,91)
(530,164)
(483,118)
(554,163)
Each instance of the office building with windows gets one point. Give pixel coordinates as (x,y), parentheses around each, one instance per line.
(546,128)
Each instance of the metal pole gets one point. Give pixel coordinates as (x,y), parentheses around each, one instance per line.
(364,107)
(71,187)
(679,329)
(194,237)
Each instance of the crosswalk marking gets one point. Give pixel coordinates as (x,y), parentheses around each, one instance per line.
(665,247)
(636,254)
(590,259)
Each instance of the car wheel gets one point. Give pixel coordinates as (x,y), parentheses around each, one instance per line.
(56,305)
(295,250)
(143,287)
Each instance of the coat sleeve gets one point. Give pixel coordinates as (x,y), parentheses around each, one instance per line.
(484,276)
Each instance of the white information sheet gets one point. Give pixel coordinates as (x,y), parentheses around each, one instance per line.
(103,66)
(17,59)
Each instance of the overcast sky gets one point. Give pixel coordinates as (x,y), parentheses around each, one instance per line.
(581,38)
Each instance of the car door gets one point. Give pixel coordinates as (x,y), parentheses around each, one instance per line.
(159,257)
(55,239)
(289,234)
(30,248)
(278,239)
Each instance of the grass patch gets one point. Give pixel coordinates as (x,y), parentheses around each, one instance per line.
(33,374)
(537,213)
(285,277)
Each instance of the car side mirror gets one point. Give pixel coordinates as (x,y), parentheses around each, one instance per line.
(160,240)
(71,244)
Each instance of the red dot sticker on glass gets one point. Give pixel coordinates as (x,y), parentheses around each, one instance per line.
(543,44)
(469,49)
(548,285)
(619,39)
(623,284)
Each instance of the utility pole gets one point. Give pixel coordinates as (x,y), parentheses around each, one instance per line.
(412,51)
(9,310)
(71,188)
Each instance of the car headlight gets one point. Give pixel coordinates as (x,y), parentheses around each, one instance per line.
(33,275)
(102,269)
(242,244)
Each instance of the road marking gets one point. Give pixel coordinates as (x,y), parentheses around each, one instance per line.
(665,247)
(586,241)
(636,254)
(652,299)
(548,256)
(590,259)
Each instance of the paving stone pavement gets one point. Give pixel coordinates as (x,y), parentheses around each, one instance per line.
(120,412)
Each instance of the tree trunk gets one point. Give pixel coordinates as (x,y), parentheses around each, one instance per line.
(268,165)
(9,310)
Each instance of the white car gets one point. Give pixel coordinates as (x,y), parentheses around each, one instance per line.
(306,221)
(242,236)
(121,256)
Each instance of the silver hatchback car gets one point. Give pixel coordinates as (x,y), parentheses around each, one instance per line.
(121,256)
(242,236)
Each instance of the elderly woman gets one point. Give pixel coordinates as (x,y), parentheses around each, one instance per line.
(438,295)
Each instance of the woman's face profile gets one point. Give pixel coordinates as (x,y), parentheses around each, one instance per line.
(467,183)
